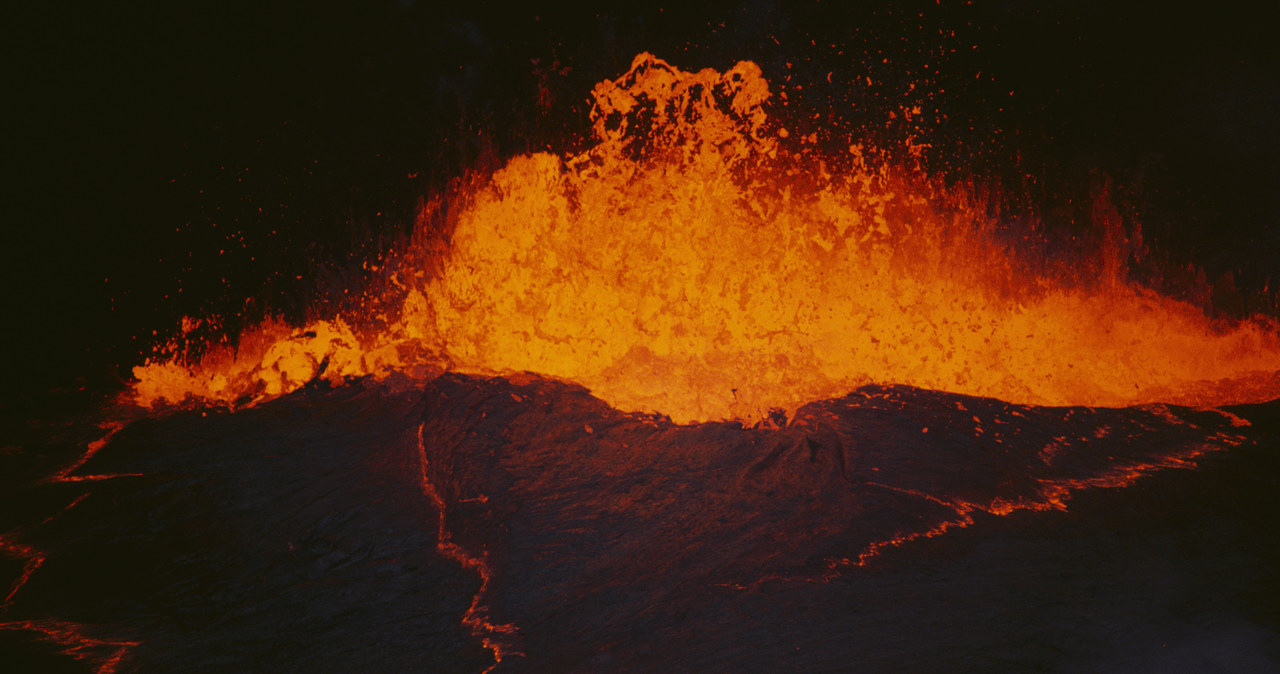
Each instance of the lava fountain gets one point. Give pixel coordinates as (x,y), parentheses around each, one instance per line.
(874,362)
(700,262)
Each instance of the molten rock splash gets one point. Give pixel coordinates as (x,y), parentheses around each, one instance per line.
(688,264)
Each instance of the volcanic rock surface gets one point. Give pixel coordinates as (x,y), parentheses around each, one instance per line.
(398,526)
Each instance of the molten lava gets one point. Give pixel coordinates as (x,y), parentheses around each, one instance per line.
(695,263)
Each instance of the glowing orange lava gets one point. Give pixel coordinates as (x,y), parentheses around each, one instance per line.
(689,263)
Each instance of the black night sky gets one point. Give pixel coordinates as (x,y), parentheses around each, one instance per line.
(199,159)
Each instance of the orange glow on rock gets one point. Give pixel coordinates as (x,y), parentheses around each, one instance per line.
(688,263)
(74,640)
(499,639)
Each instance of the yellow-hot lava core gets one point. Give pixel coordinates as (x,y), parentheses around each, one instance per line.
(687,264)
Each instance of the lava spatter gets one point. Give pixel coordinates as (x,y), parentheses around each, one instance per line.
(693,262)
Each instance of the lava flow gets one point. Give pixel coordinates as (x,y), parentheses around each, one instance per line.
(696,263)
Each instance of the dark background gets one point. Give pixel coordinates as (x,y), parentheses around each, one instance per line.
(237,158)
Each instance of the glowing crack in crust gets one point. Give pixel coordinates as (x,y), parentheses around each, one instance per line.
(498,638)
(72,639)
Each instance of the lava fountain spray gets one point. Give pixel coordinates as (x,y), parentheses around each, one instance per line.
(699,261)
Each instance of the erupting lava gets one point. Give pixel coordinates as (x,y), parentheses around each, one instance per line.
(696,263)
